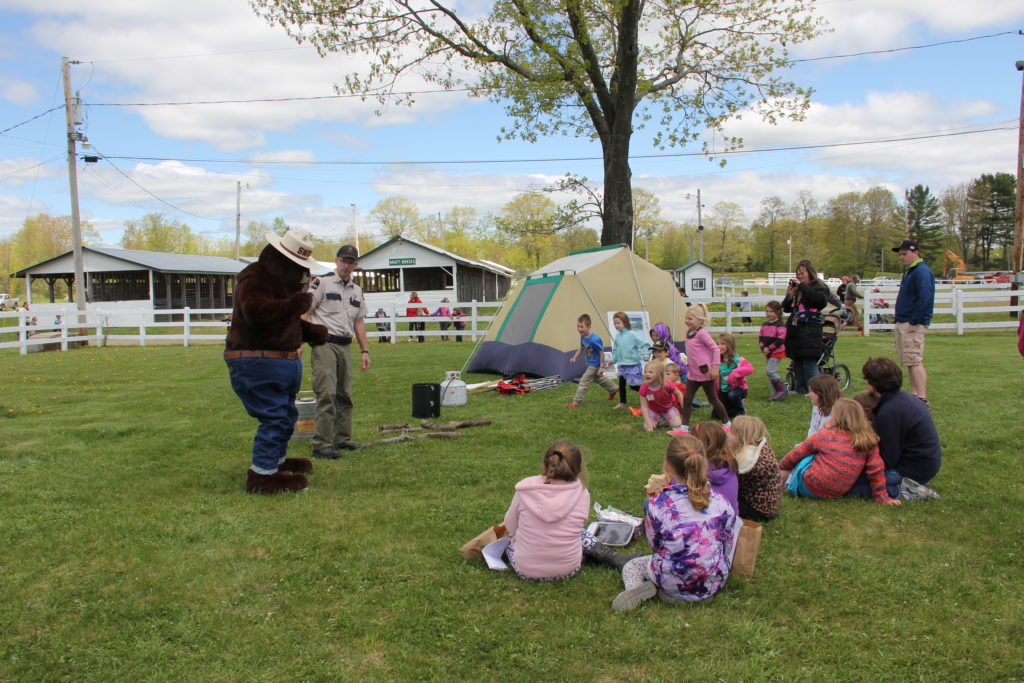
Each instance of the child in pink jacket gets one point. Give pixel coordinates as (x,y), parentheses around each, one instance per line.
(733,373)
(703,358)
(547,517)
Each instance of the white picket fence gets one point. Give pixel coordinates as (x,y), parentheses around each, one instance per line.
(60,329)
(962,301)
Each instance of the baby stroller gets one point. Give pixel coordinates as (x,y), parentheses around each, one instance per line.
(881,318)
(833,322)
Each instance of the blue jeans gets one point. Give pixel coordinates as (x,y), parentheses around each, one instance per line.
(862,487)
(805,369)
(267,387)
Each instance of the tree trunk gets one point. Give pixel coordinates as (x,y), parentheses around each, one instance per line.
(618,194)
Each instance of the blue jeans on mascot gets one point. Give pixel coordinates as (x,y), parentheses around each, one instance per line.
(267,387)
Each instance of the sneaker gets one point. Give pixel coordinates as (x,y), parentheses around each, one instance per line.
(611,396)
(699,404)
(619,406)
(351,446)
(632,597)
(912,490)
(327,453)
(682,430)
(573,405)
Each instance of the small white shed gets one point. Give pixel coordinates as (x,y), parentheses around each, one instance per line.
(696,278)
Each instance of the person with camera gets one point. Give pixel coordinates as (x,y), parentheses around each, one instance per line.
(338,303)
(806,296)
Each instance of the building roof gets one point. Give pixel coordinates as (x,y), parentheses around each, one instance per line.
(691,264)
(485,265)
(157,261)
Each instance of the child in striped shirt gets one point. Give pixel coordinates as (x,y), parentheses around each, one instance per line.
(828,463)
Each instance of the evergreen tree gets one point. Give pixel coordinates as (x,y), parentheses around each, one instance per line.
(924,222)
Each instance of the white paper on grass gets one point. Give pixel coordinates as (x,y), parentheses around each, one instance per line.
(493,552)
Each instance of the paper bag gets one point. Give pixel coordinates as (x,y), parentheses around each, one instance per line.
(473,550)
(746,549)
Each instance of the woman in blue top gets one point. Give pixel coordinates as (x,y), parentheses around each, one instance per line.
(629,351)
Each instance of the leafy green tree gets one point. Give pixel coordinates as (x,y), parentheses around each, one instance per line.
(725,237)
(769,233)
(588,68)
(531,220)
(924,220)
(647,219)
(398,216)
(42,237)
(957,223)
(156,232)
(992,198)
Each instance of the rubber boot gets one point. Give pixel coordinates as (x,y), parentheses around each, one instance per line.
(603,554)
(780,390)
(279,482)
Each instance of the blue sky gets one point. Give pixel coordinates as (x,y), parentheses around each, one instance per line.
(132,52)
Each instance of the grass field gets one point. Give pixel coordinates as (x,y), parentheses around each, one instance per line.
(131,552)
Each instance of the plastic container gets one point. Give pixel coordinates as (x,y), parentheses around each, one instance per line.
(612,533)
(305,424)
(426,400)
(453,390)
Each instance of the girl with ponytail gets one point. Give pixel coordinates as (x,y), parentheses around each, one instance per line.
(691,529)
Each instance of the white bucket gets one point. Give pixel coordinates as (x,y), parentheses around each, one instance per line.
(453,390)
(305,425)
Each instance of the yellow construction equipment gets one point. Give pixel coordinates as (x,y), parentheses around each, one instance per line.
(954,268)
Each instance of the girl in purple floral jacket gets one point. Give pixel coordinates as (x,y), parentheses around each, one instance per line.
(692,531)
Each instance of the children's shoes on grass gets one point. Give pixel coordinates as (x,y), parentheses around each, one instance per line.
(612,395)
(681,430)
(619,406)
(632,597)
(573,405)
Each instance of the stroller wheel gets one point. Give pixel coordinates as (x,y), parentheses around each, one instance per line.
(842,375)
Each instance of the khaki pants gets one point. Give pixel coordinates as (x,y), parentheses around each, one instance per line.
(332,384)
(590,375)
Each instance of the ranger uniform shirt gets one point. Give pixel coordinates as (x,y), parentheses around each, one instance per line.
(336,304)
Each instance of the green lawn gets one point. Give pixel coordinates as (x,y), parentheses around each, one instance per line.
(132,553)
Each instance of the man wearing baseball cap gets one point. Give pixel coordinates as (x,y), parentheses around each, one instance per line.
(338,303)
(914,305)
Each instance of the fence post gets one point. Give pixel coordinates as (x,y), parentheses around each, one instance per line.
(187,319)
(393,322)
(23,318)
(865,327)
(142,328)
(476,312)
(64,329)
(728,312)
(958,309)
(101,329)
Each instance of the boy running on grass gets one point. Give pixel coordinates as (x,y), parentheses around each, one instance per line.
(591,345)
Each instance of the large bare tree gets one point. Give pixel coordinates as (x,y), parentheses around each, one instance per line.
(593,68)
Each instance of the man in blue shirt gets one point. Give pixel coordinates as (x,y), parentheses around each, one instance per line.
(914,305)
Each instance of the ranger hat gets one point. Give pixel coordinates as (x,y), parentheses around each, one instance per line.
(296,245)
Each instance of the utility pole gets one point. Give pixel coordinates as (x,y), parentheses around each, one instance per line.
(700,230)
(355,228)
(238,218)
(790,243)
(71,115)
(1018,221)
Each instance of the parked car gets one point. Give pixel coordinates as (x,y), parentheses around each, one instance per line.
(881,280)
(7,301)
(725,282)
(1000,276)
(833,282)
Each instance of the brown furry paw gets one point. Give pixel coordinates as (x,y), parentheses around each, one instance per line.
(274,483)
(296,466)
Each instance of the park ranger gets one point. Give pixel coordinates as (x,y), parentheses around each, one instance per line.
(338,303)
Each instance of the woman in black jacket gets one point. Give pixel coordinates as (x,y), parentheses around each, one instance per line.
(805,298)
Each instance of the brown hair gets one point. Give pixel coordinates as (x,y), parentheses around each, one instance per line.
(828,391)
(563,461)
(812,275)
(867,401)
(585,319)
(685,457)
(717,452)
(730,347)
(883,374)
(774,306)
(621,315)
(748,430)
(848,416)
(672,367)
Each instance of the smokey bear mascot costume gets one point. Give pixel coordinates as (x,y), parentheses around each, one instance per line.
(263,357)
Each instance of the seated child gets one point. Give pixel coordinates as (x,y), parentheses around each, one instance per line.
(691,529)
(867,400)
(760,488)
(658,398)
(823,391)
(828,464)
(732,376)
(721,463)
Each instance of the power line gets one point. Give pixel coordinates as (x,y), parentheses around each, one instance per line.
(263,100)
(759,150)
(18,125)
(909,47)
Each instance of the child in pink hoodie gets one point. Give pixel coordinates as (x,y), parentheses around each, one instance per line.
(547,517)
(702,359)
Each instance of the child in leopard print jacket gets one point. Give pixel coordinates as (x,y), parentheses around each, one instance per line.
(760,491)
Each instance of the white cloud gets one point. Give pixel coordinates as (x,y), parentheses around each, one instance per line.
(298,157)
(18,91)
(17,172)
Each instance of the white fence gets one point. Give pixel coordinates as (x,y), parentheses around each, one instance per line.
(69,327)
(964,302)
